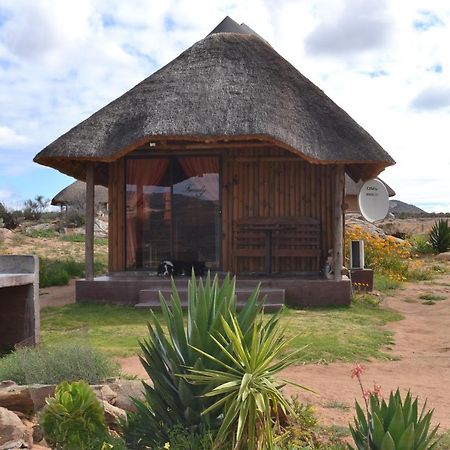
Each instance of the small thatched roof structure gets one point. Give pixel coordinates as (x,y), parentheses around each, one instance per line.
(352,188)
(75,195)
(228,86)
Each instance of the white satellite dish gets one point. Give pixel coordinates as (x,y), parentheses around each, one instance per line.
(373,199)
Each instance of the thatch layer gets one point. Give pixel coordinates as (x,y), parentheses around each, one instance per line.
(352,188)
(227,84)
(75,195)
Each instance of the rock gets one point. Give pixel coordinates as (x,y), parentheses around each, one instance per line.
(113,414)
(17,398)
(125,389)
(38,435)
(13,433)
(443,256)
(104,392)
(7,383)
(25,399)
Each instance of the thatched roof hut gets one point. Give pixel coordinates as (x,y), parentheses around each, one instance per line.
(352,189)
(75,195)
(228,86)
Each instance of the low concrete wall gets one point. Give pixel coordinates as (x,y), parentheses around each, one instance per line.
(299,291)
(19,301)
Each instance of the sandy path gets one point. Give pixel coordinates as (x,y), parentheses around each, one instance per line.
(57,295)
(422,344)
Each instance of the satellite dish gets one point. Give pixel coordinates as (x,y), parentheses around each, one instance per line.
(373,199)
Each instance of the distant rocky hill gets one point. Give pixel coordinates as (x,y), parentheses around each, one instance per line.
(399,208)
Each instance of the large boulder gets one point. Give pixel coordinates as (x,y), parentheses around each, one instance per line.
(25,399)
(13,433)
(125,390)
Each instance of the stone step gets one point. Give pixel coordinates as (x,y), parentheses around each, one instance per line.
(149,298)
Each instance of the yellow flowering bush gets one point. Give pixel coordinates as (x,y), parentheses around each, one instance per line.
(388,256)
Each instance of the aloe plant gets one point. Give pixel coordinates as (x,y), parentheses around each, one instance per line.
(244,386)
(440,236)
(74,418)
(395,425)
(171,400)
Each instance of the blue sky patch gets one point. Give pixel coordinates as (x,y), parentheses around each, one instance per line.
(427,20)
(377,73)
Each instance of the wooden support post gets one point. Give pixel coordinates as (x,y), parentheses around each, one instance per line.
(90,215)
(338,221)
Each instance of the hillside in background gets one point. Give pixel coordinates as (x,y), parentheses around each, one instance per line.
(399,208)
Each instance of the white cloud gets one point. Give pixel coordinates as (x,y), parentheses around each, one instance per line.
(10,138)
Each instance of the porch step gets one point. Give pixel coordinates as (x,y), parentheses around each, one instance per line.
(149,298)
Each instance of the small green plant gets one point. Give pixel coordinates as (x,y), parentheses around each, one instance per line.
(440,236)
(74,418)
(422,245)
(383,283)
(244,383)
(395,425)
(432,297)
(53,364)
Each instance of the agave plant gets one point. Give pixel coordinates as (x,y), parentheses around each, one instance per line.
(244,385)
(440,236)
(171,400)
(395,425)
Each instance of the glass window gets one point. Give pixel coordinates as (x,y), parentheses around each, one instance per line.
(173,211)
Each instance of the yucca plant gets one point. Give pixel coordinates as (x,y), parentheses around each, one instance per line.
(170,400)
(74,418)
(244,385)
(440,236)
(395,425)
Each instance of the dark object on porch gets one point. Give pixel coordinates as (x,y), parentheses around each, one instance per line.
(19,301)
(277,237)
(177,268)
(362,279)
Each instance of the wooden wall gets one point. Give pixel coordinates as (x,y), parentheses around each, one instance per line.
(116,225)
(274,183)
(254,182)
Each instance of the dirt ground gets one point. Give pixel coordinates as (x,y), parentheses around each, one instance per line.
(57,295)
(422,347)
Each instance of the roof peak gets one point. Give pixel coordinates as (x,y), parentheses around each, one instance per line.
(228,25)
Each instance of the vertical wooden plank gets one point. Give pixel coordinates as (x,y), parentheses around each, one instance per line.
(90,216)
(338,221)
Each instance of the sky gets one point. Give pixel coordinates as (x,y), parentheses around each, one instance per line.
(386,62)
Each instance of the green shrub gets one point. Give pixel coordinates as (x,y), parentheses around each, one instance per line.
(385,283)
(56,363)
(59,273)
(45,233)
(11,220)
(440,236)
(172,401)
(422,245)
(74,419)
(396,425)
(74,238)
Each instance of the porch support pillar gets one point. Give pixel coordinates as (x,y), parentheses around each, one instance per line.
(338,221)
(90,214)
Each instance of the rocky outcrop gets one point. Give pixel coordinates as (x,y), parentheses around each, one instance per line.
(13,433)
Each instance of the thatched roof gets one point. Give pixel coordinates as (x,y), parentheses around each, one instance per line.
(231,86)
(352,188)
(75,195)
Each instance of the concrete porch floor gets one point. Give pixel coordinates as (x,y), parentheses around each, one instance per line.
(132,288)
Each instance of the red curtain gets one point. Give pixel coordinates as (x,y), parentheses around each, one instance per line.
(140,173)
(203,170)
